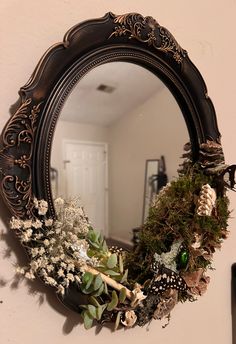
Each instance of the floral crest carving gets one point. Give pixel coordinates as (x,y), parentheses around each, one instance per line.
(147,30)
(16,149)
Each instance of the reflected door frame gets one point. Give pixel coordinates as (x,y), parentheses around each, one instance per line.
(104,146)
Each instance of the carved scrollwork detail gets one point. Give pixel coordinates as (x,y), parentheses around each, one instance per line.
(18,194)
(22,125)
(147,30)
(16,158)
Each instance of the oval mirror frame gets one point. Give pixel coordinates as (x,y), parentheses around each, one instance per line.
(26,140)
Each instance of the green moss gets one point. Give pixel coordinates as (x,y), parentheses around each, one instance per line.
(174,217)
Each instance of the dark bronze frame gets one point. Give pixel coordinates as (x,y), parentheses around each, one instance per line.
(26,140)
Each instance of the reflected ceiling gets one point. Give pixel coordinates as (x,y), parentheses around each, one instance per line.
(126,81)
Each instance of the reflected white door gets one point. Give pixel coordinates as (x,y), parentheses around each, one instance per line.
(86,178)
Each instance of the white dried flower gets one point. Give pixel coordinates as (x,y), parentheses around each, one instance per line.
(51,257)
(34,251)
(66,282)
(70,216)
(59,202)
(70,277)
(38,236)
(48,222)
(29,232)
(70,267)
(137,295)
(74,202)
(29,275)
(20,270)
(44,260)
(54,259)
(50,268)
(15,223)
(51,281)
(41,251)
(77,278)
(67,244)
(42,207)
(63,234)
(130,319)
(34,265)
(27,224)
(60,273)
(52,241)
(82,227)
(37,224)
(61,289)
(26,236)
(46,242)
(82,266)
(58,230)
(72,236)
(94,261)
(58,224)
(43,273)
(36,203)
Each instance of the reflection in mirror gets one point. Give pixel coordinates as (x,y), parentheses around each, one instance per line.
(119,116)
(155,179)
(150,185)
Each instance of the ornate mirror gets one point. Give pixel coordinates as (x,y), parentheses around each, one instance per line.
(104,118)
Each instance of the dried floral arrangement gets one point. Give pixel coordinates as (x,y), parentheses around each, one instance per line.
(187,222)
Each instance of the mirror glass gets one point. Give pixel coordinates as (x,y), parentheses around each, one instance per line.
(119,139)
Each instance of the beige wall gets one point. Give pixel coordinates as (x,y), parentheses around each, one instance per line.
(206,29)
(153,129)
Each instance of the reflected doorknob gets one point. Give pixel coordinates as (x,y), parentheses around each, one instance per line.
(66,162)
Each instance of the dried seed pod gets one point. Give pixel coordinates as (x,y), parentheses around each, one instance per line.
(211,156)
(166,304)
(187,157)
(206,201)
